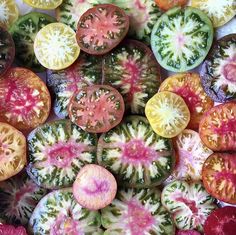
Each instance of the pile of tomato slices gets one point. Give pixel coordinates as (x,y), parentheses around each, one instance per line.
(131,102)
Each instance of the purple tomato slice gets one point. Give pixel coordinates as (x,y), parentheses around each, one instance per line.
(187,232)
(6,229)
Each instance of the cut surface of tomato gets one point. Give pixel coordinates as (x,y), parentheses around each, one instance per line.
(168,4)
(188,86)
(167,113)
(187,232)
(24,99)
(217,128)
(96,108)
(101,28)
(42,4)
(12,151)
(6,229)
(219,176)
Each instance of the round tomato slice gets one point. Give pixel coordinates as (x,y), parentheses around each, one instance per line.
(6,229)
(219,176)
(187,232)
(7,50)
(96,108)
(25,101)
(12,151)
(168,4)
(101,28)
(55,46)
(42,4)
(217,128)
(188,86)
(167,113)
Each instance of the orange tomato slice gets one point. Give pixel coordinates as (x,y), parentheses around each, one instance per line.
(168,4)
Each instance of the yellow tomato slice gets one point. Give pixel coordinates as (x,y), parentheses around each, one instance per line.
(12,151)
(55,46)
(44,4)
(167,113)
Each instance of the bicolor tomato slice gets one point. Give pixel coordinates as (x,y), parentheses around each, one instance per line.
(221,221)
(168,4)
(219,176)
(42,4)
(188,86)
(96,108)
(7,51)
(132,69)
(6,229)
(189,204)
(137,212)
(25,101)
(218,72)
(182,38)
(101,28)
(12,151)
(217,128)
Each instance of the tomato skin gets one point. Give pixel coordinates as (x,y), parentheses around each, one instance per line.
(168,4)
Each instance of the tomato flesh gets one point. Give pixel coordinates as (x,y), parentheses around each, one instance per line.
(187,232)
(168,4)
(11,230)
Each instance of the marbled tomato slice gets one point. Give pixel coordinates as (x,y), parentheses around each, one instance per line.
(136,154)
(19,196)
(137,212)
(6,229)
(96,108)
(188,86)
(189,204)
(132,69)
(218,72)
(219,176)
(168,4)
(101,28)
(217,128)
(57,150)
(25,101)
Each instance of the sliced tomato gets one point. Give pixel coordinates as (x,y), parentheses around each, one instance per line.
(6,229)
(221,221)
(187,232)
(42,4)
(96,108)
(168,4)
(217,128)
(101,28)
(12,151)
(24,99)
(219,176)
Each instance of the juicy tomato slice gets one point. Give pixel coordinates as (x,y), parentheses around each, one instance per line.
(96,108)
(167,113)
(42,4)
(101,28)
(219,176)
(187,232)
(217,128)
(168,4)
(188,86)
(12,151)
(221,221)
(6,229)
(24,99)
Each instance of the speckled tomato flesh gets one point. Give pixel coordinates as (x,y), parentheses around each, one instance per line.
(101,28)
(132,69)
(187,232)
(188,86)
(136,154)
(137,212)
(168,4)
(218,72)
(221,221)
(219,176)
(6,229)
(217,128)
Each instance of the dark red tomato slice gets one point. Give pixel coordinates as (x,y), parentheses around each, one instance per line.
(187,232)
(11,230)
(96,108)
(217,128)
(168,4)
(221,222)
(7,50)
(219,176)
(24,99)
(101,28)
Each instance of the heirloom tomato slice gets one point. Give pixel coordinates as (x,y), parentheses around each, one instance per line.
(168,4)
(219,176)
(24,99)
(187,232)
(6,229)
(217,128)
(44,4)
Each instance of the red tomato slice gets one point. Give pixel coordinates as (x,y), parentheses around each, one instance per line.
(101,28)
(217,128)
(221,222)
(168,4)
(24,99)
(96,108)
(219,176)
(11,230)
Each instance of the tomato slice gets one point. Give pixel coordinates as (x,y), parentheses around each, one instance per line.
(12,151)
(96,108)
(55,46)
(217,128)
(42,4)
(6,229)
(187,232)
(101,28)
(167,113)
(188,86)
(219,176)
(24,99)
(168,4)
(7,50)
